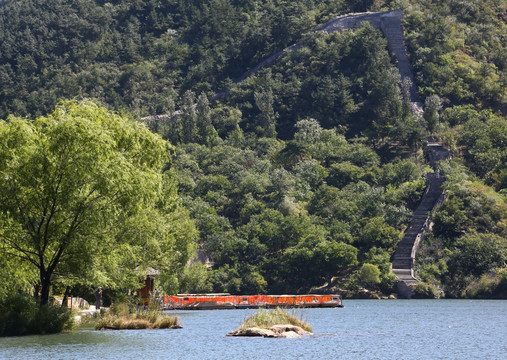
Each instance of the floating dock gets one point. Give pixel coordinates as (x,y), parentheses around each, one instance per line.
(227,301)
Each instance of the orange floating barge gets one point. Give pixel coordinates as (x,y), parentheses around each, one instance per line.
(227,301)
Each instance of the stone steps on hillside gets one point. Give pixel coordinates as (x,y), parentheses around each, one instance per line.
(405,276)
(404,244)
(404,256)
(403,272)
(403,262)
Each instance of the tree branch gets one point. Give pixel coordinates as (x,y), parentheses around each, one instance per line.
(22,253)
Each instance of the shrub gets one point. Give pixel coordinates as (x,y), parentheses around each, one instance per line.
(121,309)
(51,320)
(490,286)
(20,315)
(426,291)
(369,275)
(15,315)
(166,322)
(388,282)
(135,324)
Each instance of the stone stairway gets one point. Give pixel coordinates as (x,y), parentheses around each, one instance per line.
(404,256)
(391,27)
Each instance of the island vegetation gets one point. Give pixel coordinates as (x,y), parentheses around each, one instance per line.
(273,323)
(267,318)
(306,175)
(123,316)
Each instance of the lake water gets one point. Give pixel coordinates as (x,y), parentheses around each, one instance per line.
(363,329)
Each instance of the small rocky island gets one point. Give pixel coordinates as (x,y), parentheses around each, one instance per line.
(276,331)
(276,323)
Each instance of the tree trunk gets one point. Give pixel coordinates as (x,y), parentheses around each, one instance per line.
(45,282)
(66,296)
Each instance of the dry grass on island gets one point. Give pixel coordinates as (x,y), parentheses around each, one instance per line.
(122,317)
(273,323)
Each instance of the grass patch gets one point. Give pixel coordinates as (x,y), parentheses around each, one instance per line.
(265,319)
(137,321)
(166,322)
(123,316)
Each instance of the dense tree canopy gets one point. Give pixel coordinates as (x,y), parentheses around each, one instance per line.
(307,173)
(83,197)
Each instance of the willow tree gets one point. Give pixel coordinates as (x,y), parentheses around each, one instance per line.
(83,195)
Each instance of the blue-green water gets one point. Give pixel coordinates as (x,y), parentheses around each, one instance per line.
(363,329)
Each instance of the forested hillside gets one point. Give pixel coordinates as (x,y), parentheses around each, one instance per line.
(308,172)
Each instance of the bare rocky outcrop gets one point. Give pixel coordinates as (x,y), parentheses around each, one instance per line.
(276,331)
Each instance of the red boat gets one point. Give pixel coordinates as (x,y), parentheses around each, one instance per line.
(227,301)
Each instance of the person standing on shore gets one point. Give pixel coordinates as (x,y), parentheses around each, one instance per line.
(98,297)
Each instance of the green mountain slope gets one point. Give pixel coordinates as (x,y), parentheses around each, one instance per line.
(309,170)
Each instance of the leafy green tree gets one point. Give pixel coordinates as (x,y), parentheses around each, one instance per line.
(295,270)
(473,255)
(432,106)
(477,253)
(309,176)
(376,233)
(483,138)
(450,220)
(15,276)
(225,119)
(369,275)
(379,257)
(195,279)
(205,130)
(267,228)
(308,131)
(189,118)
(386,102)
(343,173)
(267,118)
(83,195)
(331,257)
